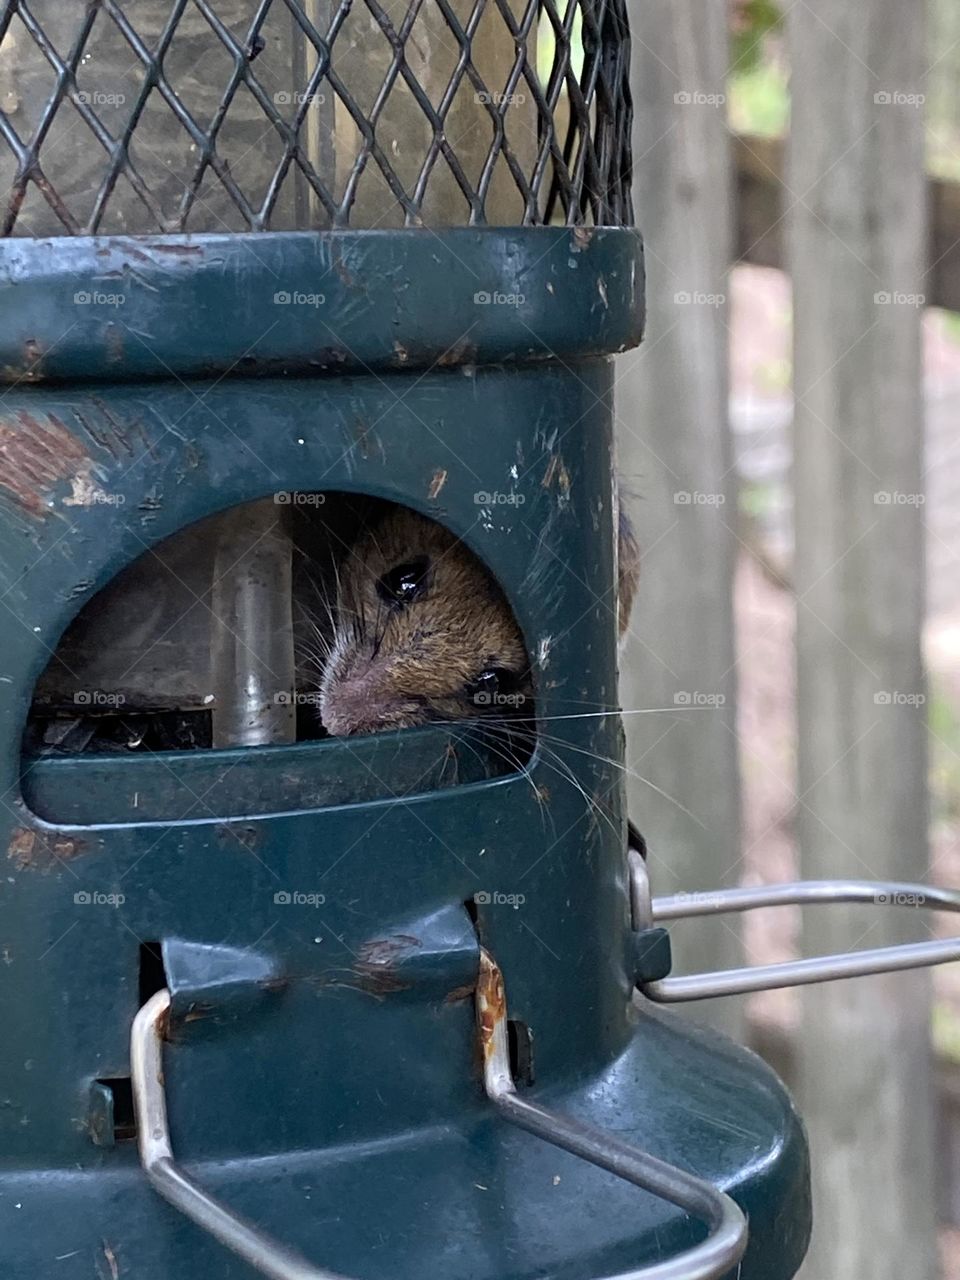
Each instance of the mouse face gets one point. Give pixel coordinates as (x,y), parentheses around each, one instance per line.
(422,633)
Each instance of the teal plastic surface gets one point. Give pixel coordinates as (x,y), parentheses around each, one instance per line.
(319,907)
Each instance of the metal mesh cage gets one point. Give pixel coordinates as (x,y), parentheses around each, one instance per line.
(145,116)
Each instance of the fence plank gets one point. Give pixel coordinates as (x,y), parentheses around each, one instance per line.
(673,440)
(855,233)
(762,201)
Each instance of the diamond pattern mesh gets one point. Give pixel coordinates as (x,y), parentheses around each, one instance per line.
(145,116)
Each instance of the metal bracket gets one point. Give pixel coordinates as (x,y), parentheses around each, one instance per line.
(709,1260)
(792,973)
(727,1241)
(268,1256)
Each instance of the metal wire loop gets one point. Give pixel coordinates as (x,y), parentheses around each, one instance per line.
(792,973)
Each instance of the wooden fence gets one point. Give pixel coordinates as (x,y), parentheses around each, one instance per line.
(847,211)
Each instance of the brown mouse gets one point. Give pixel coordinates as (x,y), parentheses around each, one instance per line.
(422,632)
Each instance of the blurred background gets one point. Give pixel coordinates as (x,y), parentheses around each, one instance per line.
(789,436)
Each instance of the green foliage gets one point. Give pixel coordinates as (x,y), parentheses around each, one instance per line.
(759,95)
(951,326)
(944,723)
(753,20)
(755,500)
(760,101)
(946,1031)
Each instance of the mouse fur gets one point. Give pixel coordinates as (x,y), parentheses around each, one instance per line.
(422,631)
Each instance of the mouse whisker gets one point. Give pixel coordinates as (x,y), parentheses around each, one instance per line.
(553,743)
(630,773)
(380,629)
(553,760)
(503,752)
(633,711)
(307,620)
(312,657)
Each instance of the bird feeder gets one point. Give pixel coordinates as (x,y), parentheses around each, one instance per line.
(273,1002)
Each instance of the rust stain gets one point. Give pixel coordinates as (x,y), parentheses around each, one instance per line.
(65,847)
(556,473)
(437,482)
(387,951)
(120,439)
(198,1011)
(375,969)
(378,984)
(460,993)
(340,267)
(581,238)
(462,352)
(402,354)
(491,1002)
(21,845)
(35,455)
(28,850)
(248,836)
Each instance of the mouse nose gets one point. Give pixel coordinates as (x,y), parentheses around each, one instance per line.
(364,703)
(348,707)
(343,712)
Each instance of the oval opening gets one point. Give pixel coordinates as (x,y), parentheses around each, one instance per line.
(298,617)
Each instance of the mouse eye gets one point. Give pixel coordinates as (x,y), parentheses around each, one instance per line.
(405,582)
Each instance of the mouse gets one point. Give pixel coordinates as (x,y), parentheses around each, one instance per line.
(422,632)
